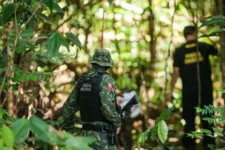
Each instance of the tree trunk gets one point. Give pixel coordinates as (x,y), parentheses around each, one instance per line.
(152,43)
(9,73)
(220,4)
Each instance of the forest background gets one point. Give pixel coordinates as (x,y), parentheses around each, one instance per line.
(45,46)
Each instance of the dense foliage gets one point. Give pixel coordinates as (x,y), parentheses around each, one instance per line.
(45,46)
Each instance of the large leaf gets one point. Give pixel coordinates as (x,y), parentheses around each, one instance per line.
(44,18)
(48,3)
(28,33)
(162,131)
(79,143)
(73,39)
(8,136)
(43,131)
(1,144)
(8,11)
(57,8)
(52,5)
(54,43)
(213,20)
(21,129)
(214,33)
(20,49)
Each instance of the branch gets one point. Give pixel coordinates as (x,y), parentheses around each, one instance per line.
(115,29)
(18,33)
(68,19)
(102,31)
(169,49)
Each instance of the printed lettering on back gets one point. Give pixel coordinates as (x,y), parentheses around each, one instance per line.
(86,87)
(193,57)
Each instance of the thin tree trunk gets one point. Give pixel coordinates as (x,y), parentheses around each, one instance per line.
(152,43)
(152,52)
(9,73)
(10,95)
(220,4)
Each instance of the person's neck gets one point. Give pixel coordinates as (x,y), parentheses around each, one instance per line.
(98,68)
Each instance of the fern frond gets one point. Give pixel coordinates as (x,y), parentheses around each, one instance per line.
(165,114)
(11,39)
(210,120)
(20,75)
(50,58)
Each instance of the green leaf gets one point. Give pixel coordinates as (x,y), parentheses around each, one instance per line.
(218,131)
(52,5)
(43,131)
(48,3)
(79,143)
(165,114)
(27,33)
(21,129)
(65,42)
(8,11)
(110,1)
(20,49)
(206,131)
(220,149)
(191,135)
(54,43)
(223,91)
(214,20)
(198,109)
(8,136)
(214,33)
(162,131)
(44,18)
(142,138)
(57,8)
(1,144)
(195,134)
(2,112)
(73,39)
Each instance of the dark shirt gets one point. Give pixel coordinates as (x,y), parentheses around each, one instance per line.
(186,58)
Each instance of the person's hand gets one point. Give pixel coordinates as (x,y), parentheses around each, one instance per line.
(117,130)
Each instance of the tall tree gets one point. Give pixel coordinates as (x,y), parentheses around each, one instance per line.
(220,5)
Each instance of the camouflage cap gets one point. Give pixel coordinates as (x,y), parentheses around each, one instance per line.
(102,57)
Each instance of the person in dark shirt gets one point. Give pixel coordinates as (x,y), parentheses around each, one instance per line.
(191,63)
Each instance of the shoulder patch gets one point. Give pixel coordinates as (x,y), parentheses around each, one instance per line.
(110,87)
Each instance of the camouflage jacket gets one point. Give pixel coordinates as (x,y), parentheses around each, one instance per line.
(108,108)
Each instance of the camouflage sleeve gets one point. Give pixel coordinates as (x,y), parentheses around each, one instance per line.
(70,107)
(107,94)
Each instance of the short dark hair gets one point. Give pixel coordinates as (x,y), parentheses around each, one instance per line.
(189,30)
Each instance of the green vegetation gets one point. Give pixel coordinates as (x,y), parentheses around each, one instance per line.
(45,46)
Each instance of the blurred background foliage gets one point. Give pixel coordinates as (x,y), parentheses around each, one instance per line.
(59,36)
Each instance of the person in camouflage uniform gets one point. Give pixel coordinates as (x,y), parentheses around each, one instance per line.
(94,96)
